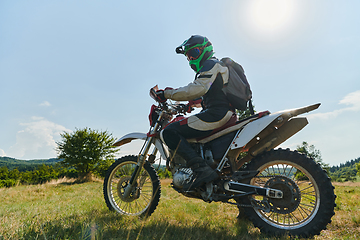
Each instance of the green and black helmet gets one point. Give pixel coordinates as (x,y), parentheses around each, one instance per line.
(197,49)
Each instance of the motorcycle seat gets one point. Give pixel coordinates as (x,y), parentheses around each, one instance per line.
(232,125)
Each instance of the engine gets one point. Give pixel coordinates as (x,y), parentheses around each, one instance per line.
(182,176)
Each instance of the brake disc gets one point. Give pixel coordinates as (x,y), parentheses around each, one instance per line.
(122,184)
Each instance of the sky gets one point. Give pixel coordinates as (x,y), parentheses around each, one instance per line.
(67,65)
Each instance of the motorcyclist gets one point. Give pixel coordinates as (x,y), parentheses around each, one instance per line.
(210,77)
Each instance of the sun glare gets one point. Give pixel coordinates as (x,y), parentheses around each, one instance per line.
(271,17)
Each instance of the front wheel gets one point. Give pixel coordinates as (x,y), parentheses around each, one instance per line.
(144,197)
(308,198)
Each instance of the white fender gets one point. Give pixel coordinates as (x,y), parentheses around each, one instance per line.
(142,136)
(252,129)
(255,127)
(129,137)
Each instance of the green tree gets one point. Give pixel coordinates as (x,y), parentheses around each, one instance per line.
(315,154)
(164,173)
(86,150)
(9,178)
(44,173)
(358,169)
(312,152)
(242,114)
(4,173)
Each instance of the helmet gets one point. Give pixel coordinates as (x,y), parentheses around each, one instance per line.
(197,49)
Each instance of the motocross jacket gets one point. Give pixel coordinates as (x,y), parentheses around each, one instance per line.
(208,84)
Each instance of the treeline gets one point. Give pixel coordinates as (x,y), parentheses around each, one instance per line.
(25,165)
(345,171)
(14,172)
(41,174)
(162,171)
(44,173)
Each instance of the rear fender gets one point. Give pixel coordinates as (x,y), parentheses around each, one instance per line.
(252,129)
(142,136)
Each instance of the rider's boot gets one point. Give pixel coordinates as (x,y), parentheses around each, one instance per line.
(203,173)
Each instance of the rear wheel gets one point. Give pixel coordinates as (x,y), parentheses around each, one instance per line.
(308,196)
(145,196)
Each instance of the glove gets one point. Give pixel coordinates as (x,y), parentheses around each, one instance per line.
(160,96)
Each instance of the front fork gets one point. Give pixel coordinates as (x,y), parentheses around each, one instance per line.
(142,157)
(140,163)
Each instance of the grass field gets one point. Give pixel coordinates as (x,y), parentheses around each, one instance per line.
(60,210)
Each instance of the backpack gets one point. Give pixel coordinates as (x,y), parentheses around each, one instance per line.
(237,90)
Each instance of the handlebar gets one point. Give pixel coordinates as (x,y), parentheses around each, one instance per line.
(172,108)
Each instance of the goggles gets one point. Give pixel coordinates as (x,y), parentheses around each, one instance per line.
(193,53)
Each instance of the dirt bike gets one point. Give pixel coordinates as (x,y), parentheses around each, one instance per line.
(280,191)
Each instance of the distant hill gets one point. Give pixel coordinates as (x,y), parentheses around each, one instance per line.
(25,165)
(345,171)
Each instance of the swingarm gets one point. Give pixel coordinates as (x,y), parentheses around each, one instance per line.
(243,188)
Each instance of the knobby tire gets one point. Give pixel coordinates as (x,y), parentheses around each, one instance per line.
(145,198)
(321,200)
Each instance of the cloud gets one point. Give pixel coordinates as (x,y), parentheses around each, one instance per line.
(37,139)
(2,153)
(352,99)
(45,104)
(352,102)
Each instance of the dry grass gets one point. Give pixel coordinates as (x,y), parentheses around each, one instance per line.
(64,210)
(346,221)
(61,180)
(347,184)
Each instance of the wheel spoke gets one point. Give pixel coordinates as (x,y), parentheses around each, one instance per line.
(311,186)
(297,220)
(268,172)
(142,194)
(278,169)
(310,206)
(305,202)
(285,169)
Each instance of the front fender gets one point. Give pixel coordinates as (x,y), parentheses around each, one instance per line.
(142,136)
(129,137)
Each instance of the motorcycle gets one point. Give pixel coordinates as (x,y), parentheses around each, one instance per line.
(279,190)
